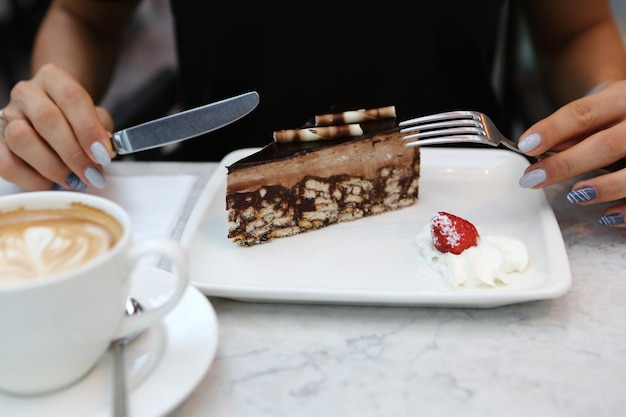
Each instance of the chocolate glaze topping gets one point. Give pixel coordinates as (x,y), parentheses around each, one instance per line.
(278,151)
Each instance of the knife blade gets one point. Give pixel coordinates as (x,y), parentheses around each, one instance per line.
(184,125)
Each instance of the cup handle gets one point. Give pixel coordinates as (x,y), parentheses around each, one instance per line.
(172,250)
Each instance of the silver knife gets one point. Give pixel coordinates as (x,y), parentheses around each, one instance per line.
(184,125)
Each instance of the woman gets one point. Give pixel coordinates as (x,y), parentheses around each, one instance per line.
(304,57)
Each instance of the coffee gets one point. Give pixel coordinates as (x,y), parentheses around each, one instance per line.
(67,267)
(39,243)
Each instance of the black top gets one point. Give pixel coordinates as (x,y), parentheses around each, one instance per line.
(304,57)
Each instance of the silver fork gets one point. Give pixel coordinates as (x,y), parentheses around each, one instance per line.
(455,127)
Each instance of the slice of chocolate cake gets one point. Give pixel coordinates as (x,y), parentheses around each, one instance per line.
(290,188)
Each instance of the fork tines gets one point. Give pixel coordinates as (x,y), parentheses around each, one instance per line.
(457,124)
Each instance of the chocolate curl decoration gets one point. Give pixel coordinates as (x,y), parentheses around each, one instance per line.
(317,133)
(355,116)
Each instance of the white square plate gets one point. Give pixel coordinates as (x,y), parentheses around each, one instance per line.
(372,261)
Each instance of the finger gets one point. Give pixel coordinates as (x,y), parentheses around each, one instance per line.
(616,166)
(614,216)
(28,153)
(577,120)
(48,125)
(9,113)
(597,151)
(107,122)
(565,145)
(105,118)
(79,110)
(604,188)
(16,171)
(54,87)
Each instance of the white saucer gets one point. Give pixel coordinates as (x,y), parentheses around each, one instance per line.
(164,365)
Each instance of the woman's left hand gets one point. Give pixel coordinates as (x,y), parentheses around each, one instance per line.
(588,134)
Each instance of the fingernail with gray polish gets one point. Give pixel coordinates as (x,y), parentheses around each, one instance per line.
(532,178)
(75,183)
(581,195)
(95,178)
(529,143)
(100,153)
(57,187)
(612,219)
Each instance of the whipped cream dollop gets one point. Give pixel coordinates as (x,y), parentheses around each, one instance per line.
(486,264)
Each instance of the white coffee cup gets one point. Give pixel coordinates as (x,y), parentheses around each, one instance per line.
(54,329)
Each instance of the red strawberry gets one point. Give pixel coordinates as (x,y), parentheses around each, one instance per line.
(451,233)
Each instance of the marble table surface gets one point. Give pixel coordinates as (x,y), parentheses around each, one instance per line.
(561,357)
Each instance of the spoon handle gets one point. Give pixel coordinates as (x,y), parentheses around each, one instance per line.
(119,381)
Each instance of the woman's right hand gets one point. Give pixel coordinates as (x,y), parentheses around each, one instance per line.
(53,136)
(589,134)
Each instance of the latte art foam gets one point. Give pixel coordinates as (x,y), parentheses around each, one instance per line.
(42,243)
